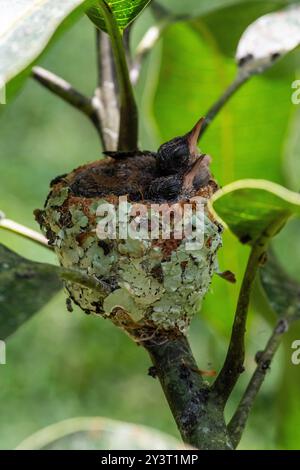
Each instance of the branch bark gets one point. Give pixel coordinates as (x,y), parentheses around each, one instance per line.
(106,93)
(199,418)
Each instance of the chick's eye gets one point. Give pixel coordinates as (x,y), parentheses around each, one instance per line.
(180,152)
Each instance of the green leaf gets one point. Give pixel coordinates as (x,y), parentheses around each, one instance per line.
(255,208)
(282,292)
(25,286)
(26,29)
(124,11)
(98,433)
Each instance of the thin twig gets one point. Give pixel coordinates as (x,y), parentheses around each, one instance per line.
(238,422)
(24,232)
(106,94)
(223,100)
(128,129)
(67,92)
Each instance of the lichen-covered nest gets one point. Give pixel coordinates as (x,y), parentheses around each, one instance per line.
(151,283)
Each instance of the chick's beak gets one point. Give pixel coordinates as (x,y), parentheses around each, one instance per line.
(193,136)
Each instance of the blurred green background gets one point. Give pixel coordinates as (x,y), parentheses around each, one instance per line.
(61,364)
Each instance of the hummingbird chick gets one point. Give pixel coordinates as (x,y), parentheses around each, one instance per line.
(182,184)
(177,154)
(184,170)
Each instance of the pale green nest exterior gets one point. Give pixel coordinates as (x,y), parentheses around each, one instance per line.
(155,283)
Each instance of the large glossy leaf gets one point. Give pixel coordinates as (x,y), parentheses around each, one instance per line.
(125,11)
(25,286)
(255,208)
(26,27)
(269,38)
(99,433)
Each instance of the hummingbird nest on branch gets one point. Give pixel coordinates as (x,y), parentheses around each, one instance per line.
(151,284)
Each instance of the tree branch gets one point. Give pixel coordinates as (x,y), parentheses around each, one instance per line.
(66,92)
(128,128)
(199,419)
(106,94)
(238,422)
(23,231)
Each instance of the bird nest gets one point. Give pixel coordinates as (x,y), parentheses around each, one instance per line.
(152,282)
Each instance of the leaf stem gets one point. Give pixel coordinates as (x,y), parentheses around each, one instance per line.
(128,129)
(238,422)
